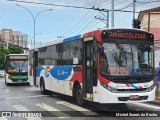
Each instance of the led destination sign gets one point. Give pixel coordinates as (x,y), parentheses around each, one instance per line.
(128,35)
(18,57)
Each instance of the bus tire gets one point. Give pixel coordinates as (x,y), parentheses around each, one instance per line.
(79,96)
(28,83)
(42,87)
(6,83)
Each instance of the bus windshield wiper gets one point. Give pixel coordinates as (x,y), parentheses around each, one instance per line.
(23,64)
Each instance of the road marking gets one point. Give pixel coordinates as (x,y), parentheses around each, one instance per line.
(26,96)
(34,118)
(22,108)
(3,118)
(77,108)
(146,105)
(53,110)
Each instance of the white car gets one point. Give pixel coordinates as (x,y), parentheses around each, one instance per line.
(1,73)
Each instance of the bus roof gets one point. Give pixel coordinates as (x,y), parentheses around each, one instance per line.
(72,38)
(95,33)
(48,44)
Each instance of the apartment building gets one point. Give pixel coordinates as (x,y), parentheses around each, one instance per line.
(14,37)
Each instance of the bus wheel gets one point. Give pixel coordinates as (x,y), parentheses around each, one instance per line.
(42,87)
(79,96)
(6,83)
(28,83)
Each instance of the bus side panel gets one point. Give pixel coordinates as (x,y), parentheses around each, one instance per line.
(60,78)
(47,77)
(66,86)
(61,75)
(55,85)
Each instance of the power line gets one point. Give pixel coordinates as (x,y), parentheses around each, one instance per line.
(130,5)
(105,21)
(38,3)
(69,6)
(86,26)
(85,22)
(78,23)
(101,3)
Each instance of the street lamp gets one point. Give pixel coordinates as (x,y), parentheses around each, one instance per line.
(34,18)
(33,37)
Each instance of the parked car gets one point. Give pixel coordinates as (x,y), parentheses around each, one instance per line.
(1,73)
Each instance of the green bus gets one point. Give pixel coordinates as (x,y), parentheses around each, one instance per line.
(16,69)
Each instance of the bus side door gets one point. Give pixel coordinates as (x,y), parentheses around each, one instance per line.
(89,67)
(35,64)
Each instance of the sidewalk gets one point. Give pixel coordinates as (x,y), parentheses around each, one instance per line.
(157,101)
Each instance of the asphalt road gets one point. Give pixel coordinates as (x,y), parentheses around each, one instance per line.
(22,100)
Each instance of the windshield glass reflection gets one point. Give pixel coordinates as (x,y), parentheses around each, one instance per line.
(126,59)
(17,66)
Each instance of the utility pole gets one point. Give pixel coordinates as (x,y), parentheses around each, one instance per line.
(104,20)
(112,23)
(134,7)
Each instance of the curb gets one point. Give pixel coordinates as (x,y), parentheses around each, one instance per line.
(156,102)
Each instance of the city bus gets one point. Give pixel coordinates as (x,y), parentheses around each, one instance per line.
(103,66)
(16,69)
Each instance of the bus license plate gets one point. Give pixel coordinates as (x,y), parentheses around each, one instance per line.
(133,97)
(19,80)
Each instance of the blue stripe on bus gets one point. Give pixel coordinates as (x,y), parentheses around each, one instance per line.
(72,38)
(132,85)
(61,72)
(38,71)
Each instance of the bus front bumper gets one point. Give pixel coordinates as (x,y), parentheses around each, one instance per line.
(106,96)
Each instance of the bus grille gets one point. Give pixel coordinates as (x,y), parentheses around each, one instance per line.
(131,90)
(127,98)
(123,81)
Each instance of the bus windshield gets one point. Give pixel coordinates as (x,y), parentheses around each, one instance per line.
(126,59)
(17,66)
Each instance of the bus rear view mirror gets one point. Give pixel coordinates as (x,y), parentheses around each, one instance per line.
(101,48)
(148,48)
(144,48)
(75,61)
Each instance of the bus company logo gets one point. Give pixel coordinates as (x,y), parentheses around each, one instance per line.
(6,114)
(47,71)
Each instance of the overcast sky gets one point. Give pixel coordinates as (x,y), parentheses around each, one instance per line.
(62,21)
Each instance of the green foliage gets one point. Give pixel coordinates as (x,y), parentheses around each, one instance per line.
(11,50)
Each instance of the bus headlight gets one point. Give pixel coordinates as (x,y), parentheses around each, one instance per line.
(7,76)
(151,88)
(109,88)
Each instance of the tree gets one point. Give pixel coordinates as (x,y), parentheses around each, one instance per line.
(12,49)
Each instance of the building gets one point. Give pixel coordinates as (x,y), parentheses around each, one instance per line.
(150,21)
(14,37)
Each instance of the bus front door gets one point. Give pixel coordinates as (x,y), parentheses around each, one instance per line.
(88,70)
(35,64)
